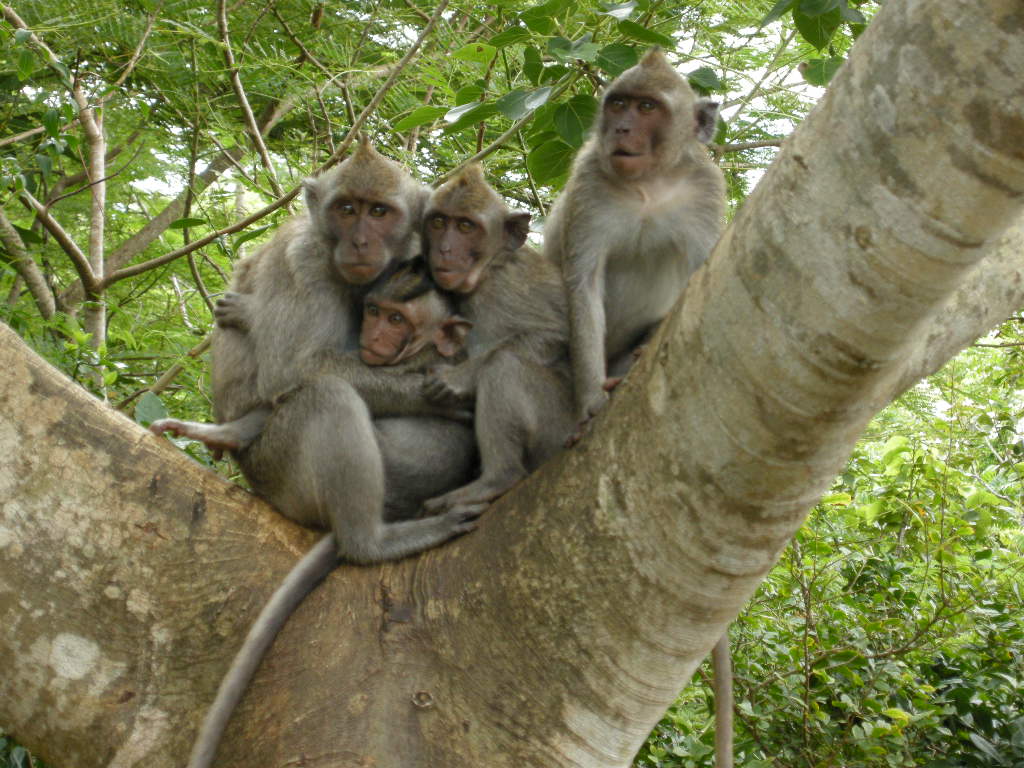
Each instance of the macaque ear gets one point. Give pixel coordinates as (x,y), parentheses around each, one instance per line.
(450,337)
(705,114)
(517,227)
(311,193)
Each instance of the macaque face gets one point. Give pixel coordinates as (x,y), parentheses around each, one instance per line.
(456,249)
(366,234)
(631,132)
(394,331)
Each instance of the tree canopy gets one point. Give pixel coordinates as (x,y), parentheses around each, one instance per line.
(146,146)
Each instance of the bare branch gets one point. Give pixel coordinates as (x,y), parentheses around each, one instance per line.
(26,267)
(236,83)
(78,258)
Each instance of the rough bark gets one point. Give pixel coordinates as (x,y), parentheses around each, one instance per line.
(559,631)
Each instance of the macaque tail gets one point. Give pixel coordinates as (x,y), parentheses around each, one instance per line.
(721,665)
(313,567)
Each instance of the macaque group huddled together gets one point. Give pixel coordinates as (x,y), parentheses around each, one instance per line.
(399,357)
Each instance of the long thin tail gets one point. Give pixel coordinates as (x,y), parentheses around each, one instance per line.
(299,582)
(721,666)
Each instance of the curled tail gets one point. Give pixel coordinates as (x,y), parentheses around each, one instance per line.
(299,582)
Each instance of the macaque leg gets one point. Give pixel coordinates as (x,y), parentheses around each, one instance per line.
(523,414)
(229,436)
(423,457)
(319,462)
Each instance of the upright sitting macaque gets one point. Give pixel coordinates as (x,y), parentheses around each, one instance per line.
(518,370)
(318,457)
(641,211)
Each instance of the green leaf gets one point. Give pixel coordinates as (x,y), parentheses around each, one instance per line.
(22,35)
(820,71)
(481,53)
(533,65)
(51,122)
(817,30)
(819,7)
(45,166)
(19,758)
(30,236)
(550,160)
(510,36)
(26,64)
(247,236)
(513,104)
(852,15)
(645,35)
(560,49)
(572,118)
(705,80)
(468,94)
(186,222)
(469,114)
(619,10)
(419,116)
(150,408)
(617,58)
(539,19)
(538,97)
(779,10)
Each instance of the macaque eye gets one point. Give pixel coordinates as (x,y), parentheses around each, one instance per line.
(396,318)
(344,207)
(465,225)
(377,210)
(617,102)
(646,105)
(372,310)
(437,221)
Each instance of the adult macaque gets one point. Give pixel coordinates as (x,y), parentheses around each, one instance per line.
(518,369)
(640,212)
(320,458)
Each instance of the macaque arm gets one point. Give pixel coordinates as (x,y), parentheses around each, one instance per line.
(584,279)
(390,390)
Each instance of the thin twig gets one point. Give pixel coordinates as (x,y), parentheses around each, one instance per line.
(69,246)
(236,83)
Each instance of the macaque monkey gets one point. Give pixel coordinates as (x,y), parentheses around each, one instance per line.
(319,457)
(640,213)
(518,370)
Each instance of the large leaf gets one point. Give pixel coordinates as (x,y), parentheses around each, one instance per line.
(550,160)
(481,53)
(645,35)
(705,80)
(617,58)
(533,65)
(149,409)
(572,118)
(513,104)
(820,71)
(819,7)
(779,10)
(619,10)
(817,30)
(510,36)
(420,116)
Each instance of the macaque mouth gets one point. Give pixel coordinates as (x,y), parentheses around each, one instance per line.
(625,153)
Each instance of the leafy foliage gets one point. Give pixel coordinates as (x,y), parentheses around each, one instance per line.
(891,632)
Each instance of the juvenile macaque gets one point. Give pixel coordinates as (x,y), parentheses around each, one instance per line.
(319,457)
(517,371)
(407,324)
(640,212)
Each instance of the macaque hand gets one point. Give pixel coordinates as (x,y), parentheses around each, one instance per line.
(594,403)
(449,384)
(611,383)
(232,311)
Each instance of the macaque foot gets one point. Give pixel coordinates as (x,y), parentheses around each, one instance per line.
(464,519)
(216,438)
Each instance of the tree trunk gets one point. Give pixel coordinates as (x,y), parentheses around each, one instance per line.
(559,632)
